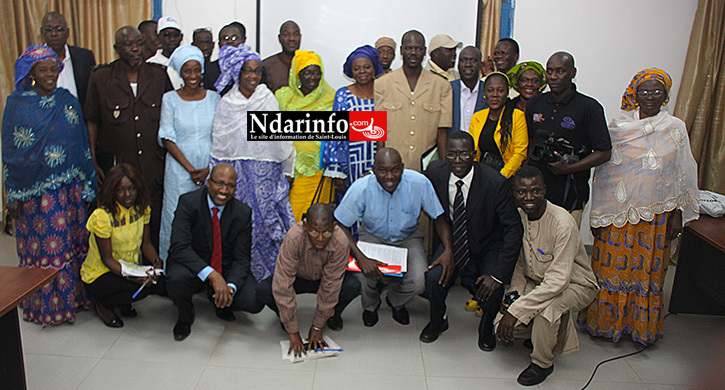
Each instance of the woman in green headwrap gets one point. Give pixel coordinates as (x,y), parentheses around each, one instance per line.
(528,79)
(307,91)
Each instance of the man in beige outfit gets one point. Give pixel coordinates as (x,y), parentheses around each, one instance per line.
(418,102)
(553,275)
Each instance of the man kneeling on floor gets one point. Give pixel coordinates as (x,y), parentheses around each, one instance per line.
(312,259)
(211,246)
(553,275)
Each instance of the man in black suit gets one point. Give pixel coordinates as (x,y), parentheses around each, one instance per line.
(487,235)
(79,62)
(211,244)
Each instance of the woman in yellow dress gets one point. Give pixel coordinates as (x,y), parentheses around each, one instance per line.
(119,231)
(307,91)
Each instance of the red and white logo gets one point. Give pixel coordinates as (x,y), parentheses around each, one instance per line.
(368,126)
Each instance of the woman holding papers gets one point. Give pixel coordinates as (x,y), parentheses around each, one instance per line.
(119,231)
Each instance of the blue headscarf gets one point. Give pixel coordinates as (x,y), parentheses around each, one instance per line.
(184,54)
(231,60)
(44,138)
(25,63)
(368,52)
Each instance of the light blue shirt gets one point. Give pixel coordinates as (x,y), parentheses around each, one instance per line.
(204,273)
(391,217)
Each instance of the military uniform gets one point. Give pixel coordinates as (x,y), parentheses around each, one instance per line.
(128,125)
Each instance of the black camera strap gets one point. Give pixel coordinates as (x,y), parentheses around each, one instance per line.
(571,183)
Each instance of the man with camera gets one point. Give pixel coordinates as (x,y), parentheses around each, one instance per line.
(553,277)
(568,136)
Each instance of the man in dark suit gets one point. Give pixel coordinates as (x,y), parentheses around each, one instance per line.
(468,91)
(79,62)
(122,115)
(211,241)
(487,235)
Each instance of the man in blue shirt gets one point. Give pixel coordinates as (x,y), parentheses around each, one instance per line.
(387,205)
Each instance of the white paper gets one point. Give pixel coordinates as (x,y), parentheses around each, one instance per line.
(332,350)
(390,255)
(135,270)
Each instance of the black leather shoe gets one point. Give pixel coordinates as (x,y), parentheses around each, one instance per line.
(127,311)
(400,315)
(533,375)
(370,318)
(226,314)
(335,323)
(108,316)
(181,330)
(429,334)
(487,343)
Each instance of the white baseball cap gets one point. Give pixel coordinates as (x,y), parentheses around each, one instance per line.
(168,22)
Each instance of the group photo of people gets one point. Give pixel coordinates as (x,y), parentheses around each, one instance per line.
(491,164)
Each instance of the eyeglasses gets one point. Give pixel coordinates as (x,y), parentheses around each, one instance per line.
(230,186)
(52,29)
(645,94)
(232,38)
(171,34)
(311,73)
(315,234)
(526,80)
(251,71)
(465,155)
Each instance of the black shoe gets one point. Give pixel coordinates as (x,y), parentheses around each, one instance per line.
(226,314)
(400,315)
(533,375)
(429,335)
(108,316)
(370,318)
(335,323)
(127,311)
(528,344)
(181,330)
(487,343)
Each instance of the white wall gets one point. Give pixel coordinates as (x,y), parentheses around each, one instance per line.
(610,40)
(214,15)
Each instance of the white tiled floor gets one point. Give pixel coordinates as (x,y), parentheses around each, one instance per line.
(246,353)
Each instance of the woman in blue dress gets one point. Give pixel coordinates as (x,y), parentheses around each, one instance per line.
(185,131)
(347,161)
(264,168)
(49,180)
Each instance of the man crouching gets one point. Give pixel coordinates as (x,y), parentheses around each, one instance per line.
(553,277)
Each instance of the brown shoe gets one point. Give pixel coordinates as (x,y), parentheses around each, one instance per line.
(108,316)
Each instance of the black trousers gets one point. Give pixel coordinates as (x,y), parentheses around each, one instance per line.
(477,266)
(182,284)
(349,290)
(112,290)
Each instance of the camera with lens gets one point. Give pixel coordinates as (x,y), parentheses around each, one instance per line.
(510,297)
(546,145)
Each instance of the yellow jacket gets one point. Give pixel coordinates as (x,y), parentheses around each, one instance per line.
(516,150)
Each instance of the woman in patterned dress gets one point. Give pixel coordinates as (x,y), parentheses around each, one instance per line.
(641,199)
(348,161)
(49,180)
(264,168)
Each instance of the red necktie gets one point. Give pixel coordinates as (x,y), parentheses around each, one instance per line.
(216,255)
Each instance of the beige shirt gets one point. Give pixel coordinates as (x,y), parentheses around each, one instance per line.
(552,260)
(298,258)
(450,74)
(414,117)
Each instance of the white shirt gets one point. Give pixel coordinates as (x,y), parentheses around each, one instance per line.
(174,76)
(66,79)
(468,104)
(452,189)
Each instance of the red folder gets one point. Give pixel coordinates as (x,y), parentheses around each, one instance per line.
(390,270)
